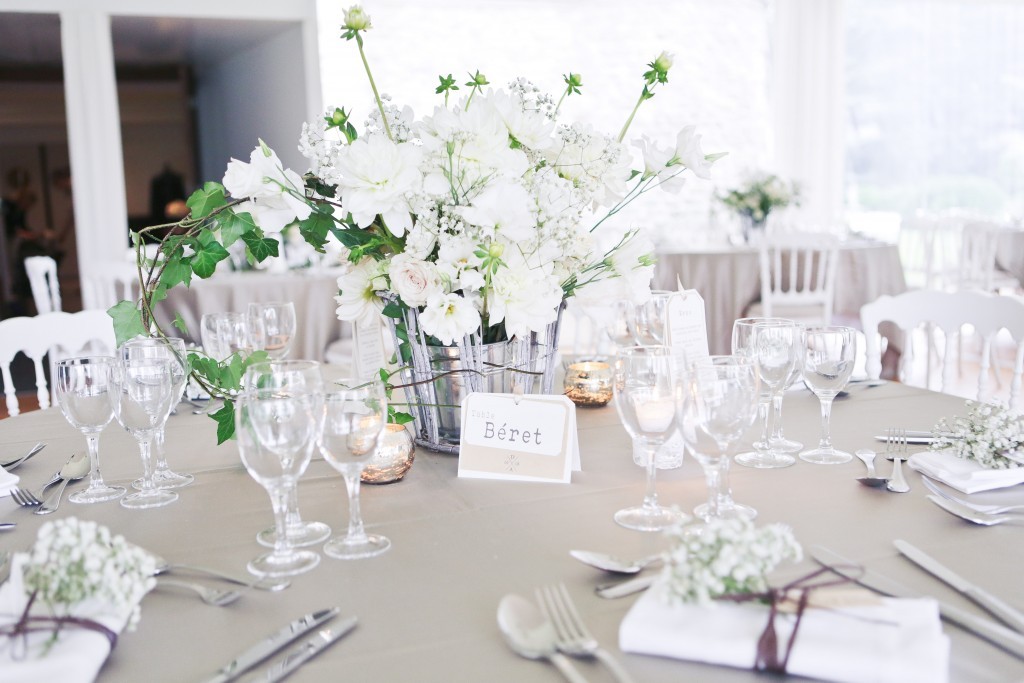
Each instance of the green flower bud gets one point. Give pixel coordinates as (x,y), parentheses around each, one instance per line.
(663,62)
(356,19)
(495,250)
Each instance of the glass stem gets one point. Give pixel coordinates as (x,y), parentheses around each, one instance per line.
(650,452)
(762,415)
(712,473)
(279,497)
(161,461)
(356,533)
(826,416)
(92,442)
(146,453)
(724,489)
(776,418)
(292,506)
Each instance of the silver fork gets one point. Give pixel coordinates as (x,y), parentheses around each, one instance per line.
(977,507)
(573,637)
(211,596)
(18,461)
(896,450)
(26,498)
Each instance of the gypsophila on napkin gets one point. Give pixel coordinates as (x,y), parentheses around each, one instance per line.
(67,599)
(713,604)
(966,476)
(987,435)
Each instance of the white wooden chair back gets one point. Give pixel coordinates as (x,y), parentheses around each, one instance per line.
(987,313)
(979,246)
(62,335)
(798,277)
(929,250)
(42,277)
(107,284)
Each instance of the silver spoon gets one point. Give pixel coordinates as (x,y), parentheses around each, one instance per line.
(211,596)
(74,469)
(867,456)
(615,565)
(163,566)
(18,461)
(532,636)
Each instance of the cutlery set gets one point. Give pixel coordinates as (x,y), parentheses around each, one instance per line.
(76,468)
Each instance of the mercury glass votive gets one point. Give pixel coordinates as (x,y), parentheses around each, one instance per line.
(589,383)
(393,457)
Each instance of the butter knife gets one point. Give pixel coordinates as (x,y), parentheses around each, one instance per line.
(1002,611)
(997,634)
(307,650)
(271,644)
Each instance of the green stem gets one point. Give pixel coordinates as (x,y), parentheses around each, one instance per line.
(373,86)
(560,100)
(622,133)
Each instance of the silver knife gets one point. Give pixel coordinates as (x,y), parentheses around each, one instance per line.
(271,644)
(999,635)
(1002,611)
(309,649)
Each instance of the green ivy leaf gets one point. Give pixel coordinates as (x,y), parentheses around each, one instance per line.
(225,419)
(260,247)
(205,200)
(401,418)
(176,271)
(315,228)
(206,258)
(179,323)
(392,310)
(234,225)
(127,321)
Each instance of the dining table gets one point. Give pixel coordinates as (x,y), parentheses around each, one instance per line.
(729,280)
(427,608)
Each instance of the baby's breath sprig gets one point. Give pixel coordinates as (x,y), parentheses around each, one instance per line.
(985,435)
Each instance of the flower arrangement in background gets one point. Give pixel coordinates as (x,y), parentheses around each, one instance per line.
(726,558)
(988,434)
(761,194)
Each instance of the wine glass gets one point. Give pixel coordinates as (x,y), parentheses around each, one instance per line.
(295,376)
(621,323)
(141,399)
(276,430)
(272,327)
(827,356)
(354,419)
(718,402)
(223,334)
(644,395)
(171,349)
(773,348)
(83,386)
(778,440)
(650,319)
(742,339)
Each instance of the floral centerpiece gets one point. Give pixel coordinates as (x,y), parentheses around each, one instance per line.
(991,434)
(472,224)
(759,196)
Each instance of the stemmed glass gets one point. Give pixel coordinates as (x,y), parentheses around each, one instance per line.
(354,419)
(171,349)
(742,340)
(83,386)
(292,376)
(644,391)
(773,348)
(621,324)
(650,319)
(828,356)
(223,334)
(141,399)
(276,430)
(272,327)
(718,402)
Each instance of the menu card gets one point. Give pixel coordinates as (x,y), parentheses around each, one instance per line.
(369,347)
(687,328)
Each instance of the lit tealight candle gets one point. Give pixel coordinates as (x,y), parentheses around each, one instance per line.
(589,383)
(655,416)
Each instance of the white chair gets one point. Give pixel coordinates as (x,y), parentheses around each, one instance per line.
(798,277)
(929,249)
(62,335)
(42,277)
(110,282)
(986,313)
(979,245)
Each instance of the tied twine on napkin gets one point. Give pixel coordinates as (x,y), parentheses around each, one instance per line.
(27,623)
(767,658)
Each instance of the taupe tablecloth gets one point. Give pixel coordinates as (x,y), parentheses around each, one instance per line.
(311,291)
(427,607)
(729,280)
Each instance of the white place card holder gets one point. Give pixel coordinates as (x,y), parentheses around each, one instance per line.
(518,438)
(687,328)
(369,347)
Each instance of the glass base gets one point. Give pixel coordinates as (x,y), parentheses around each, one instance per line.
(826,456)
(343,549)
(765,459)
(727,511)
(273,566)
(643,518)
(308,533)
(166,479)
(153,498)
(785,445)
(97,494)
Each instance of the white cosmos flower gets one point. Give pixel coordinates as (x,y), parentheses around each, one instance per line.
(358,287)
(524,298)
(530,128)
(414,280)
(689,153)
(657,160)
(273,190)
(376,177)
(449,317)
(503,208)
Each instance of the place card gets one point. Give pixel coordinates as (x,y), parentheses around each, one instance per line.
(687,328)
(518,438)
(369,356)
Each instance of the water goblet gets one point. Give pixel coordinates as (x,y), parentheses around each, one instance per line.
(171,349)
(223,334)
(742,338)
(83,386)
(777,440)
(773,348)
(650,320)
(718,402)
(827,357)
(141,399)
(644,396)
(295,376)
(276,431)
(354,419)
(272,327)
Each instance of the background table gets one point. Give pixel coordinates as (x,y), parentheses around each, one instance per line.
(729,280)
(312,291)
(1010,254)
(427,607)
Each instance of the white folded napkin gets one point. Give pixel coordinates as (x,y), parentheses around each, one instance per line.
(964,475)
(898,640)
(7,482)
(78,654)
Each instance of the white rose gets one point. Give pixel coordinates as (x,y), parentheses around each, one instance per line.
(414,280)
(242,179)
